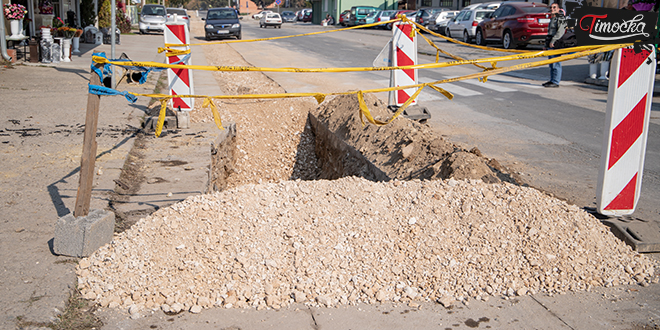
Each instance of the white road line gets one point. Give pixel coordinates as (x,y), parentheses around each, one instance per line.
(490,85)
(454,89)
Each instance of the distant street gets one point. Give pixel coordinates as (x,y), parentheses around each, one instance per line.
(551,136)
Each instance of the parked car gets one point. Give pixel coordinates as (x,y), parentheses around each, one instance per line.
(384,16)
(152,18)
(181,16)
(221,23)
(260,14)
(271,19)
(288,17)
(464,25)
(424,14)
(369,19)
(358,12)
(408,13)
(343,18)
(440,19)
(301,14)
(515,24)
(307,16)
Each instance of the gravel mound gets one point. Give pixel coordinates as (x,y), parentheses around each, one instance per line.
(351,240)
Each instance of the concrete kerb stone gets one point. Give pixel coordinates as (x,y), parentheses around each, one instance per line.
(81,236)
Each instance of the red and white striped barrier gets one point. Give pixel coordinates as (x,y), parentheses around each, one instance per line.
(404,50)
(180,81)
(626,130)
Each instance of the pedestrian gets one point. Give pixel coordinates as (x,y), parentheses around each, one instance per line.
(556,30)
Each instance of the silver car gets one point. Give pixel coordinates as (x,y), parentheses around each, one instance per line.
(152,18)
(439,20)
(181,16)
(464,25)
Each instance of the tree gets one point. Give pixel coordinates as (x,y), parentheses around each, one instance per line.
(87,15)
(105,16)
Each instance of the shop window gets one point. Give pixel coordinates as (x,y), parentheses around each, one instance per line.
(447,3)
(427,3)
(466,3)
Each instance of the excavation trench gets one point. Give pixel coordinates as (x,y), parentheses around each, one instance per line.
(311,207)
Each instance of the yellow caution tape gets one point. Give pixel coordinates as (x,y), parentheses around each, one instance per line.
(526,55)
(208,102)
(161,116)
(443,92)
(162,49)
(438,51)
(364,111)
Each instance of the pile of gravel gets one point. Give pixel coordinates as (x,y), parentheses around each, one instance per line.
(351,240)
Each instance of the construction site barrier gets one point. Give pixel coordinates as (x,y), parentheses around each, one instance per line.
(147,67)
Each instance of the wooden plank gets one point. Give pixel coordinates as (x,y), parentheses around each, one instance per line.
(88,159)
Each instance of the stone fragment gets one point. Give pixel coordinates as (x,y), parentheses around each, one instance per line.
(176,307)
(196,309)
(446,301)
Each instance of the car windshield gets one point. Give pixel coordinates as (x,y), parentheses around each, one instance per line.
(179,12)
(288,13)
(273,16)
(481,14)
(222,14)
(534,10)
(372,14)
(151,10)
(364,11)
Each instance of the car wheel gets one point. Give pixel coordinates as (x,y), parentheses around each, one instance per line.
(279,26)
(239,36)
(466,37)
(507,40)
(448,33)
(208,38)
(479,38)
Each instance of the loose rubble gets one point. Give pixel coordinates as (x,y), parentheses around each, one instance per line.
(353,241)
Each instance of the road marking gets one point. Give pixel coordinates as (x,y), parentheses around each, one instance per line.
(454,89)
(490,85)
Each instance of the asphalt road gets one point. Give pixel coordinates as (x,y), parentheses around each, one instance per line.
(552,137)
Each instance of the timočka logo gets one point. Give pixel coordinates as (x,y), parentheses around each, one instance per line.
(601,26)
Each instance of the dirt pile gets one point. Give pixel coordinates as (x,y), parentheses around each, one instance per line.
(405,149)
(353,240)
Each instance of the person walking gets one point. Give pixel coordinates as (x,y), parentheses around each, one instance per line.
(556,30)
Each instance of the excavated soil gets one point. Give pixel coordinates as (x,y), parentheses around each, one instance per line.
(405,149)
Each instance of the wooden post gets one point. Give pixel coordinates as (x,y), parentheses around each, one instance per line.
(88,158)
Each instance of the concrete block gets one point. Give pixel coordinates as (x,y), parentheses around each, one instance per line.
(152,122)
(183,119)
(81,236)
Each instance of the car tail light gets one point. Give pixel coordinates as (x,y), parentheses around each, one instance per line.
(526,19)
(475,23)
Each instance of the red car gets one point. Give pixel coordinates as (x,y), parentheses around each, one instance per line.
(405,12)
(307,16)
(515,25)
(344,17)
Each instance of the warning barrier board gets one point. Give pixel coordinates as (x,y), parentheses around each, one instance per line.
(404,52)
(180,81)
(626,129)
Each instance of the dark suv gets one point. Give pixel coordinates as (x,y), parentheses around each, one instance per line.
(222,23)
(515,24)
